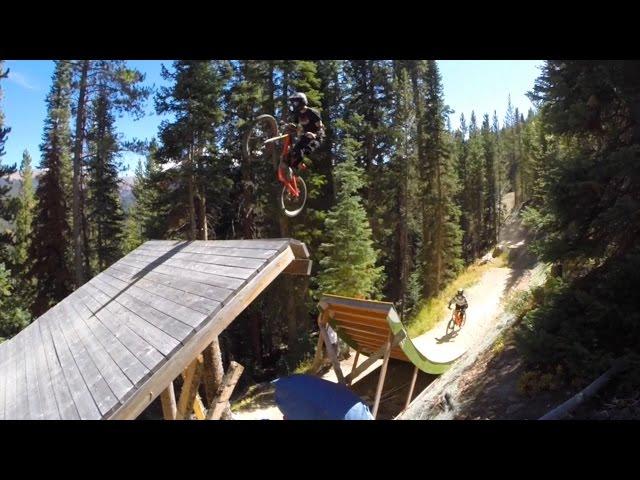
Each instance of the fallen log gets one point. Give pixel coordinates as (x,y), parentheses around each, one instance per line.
(574,402)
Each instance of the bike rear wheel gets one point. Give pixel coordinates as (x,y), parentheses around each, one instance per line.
(260,130)
(290,204)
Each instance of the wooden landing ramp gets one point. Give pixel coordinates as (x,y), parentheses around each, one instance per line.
(112,346)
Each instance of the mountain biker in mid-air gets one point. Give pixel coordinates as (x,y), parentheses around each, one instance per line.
(311,122)
(461,302)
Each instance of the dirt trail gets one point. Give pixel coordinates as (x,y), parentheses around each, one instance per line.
(442,398)
(484,303)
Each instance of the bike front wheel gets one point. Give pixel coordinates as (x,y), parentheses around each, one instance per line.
(292,205)
(253,145)
(451,326)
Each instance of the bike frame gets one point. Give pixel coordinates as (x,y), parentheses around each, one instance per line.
(292,185)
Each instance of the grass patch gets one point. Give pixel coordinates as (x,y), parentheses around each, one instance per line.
(498,345)
(305,365)
(434,309)
(256,397)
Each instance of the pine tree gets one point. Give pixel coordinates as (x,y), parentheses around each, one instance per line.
(103,203)
(490,197)
(126,94)
(399,211)
(24,218)
(50,228)
(474,189)
(191,140)
(348,266)
(12,317)
(149,212)
(440,215)
(8,206)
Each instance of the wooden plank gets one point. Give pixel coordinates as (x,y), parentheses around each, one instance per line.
(379,315)
(179,279)
(210,330)
(192,379)
(187,316)
(126,361)
(167,324)
(212,249)
(45,386)
(4,373)
(299,267)
(36,406)
(225,390)
(220,270)
(10,385)
(204,256)
(117,324)
(3,378)
(97,385)
(115,378)
(299,249)
(380,322)
(354,331)
(202,277)
(64,400)
(256,244)
(22,392)
(187,299)
(168,401)
(82,398)
(148,332)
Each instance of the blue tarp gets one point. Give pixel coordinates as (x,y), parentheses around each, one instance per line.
(305,397)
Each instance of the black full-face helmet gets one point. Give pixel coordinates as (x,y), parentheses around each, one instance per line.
(298,101)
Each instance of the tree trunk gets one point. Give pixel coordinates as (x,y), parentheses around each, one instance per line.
(77,178)
(191,193)
(403,236)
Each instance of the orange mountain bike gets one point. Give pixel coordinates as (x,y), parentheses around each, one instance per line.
(458,319)
(261,143)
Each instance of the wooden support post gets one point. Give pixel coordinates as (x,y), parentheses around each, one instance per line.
(332,354)
(317,361)
(198,408)
(192,379)
(413,384)
(372,359)
(349,378)
(383,374)
(208,377)
(229,382)
(168,400)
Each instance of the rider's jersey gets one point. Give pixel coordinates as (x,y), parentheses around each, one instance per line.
(459,300)
(310,120)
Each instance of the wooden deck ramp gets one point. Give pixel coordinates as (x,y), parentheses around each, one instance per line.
(115,344)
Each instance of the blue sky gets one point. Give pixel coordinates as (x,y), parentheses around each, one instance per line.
(480,85)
